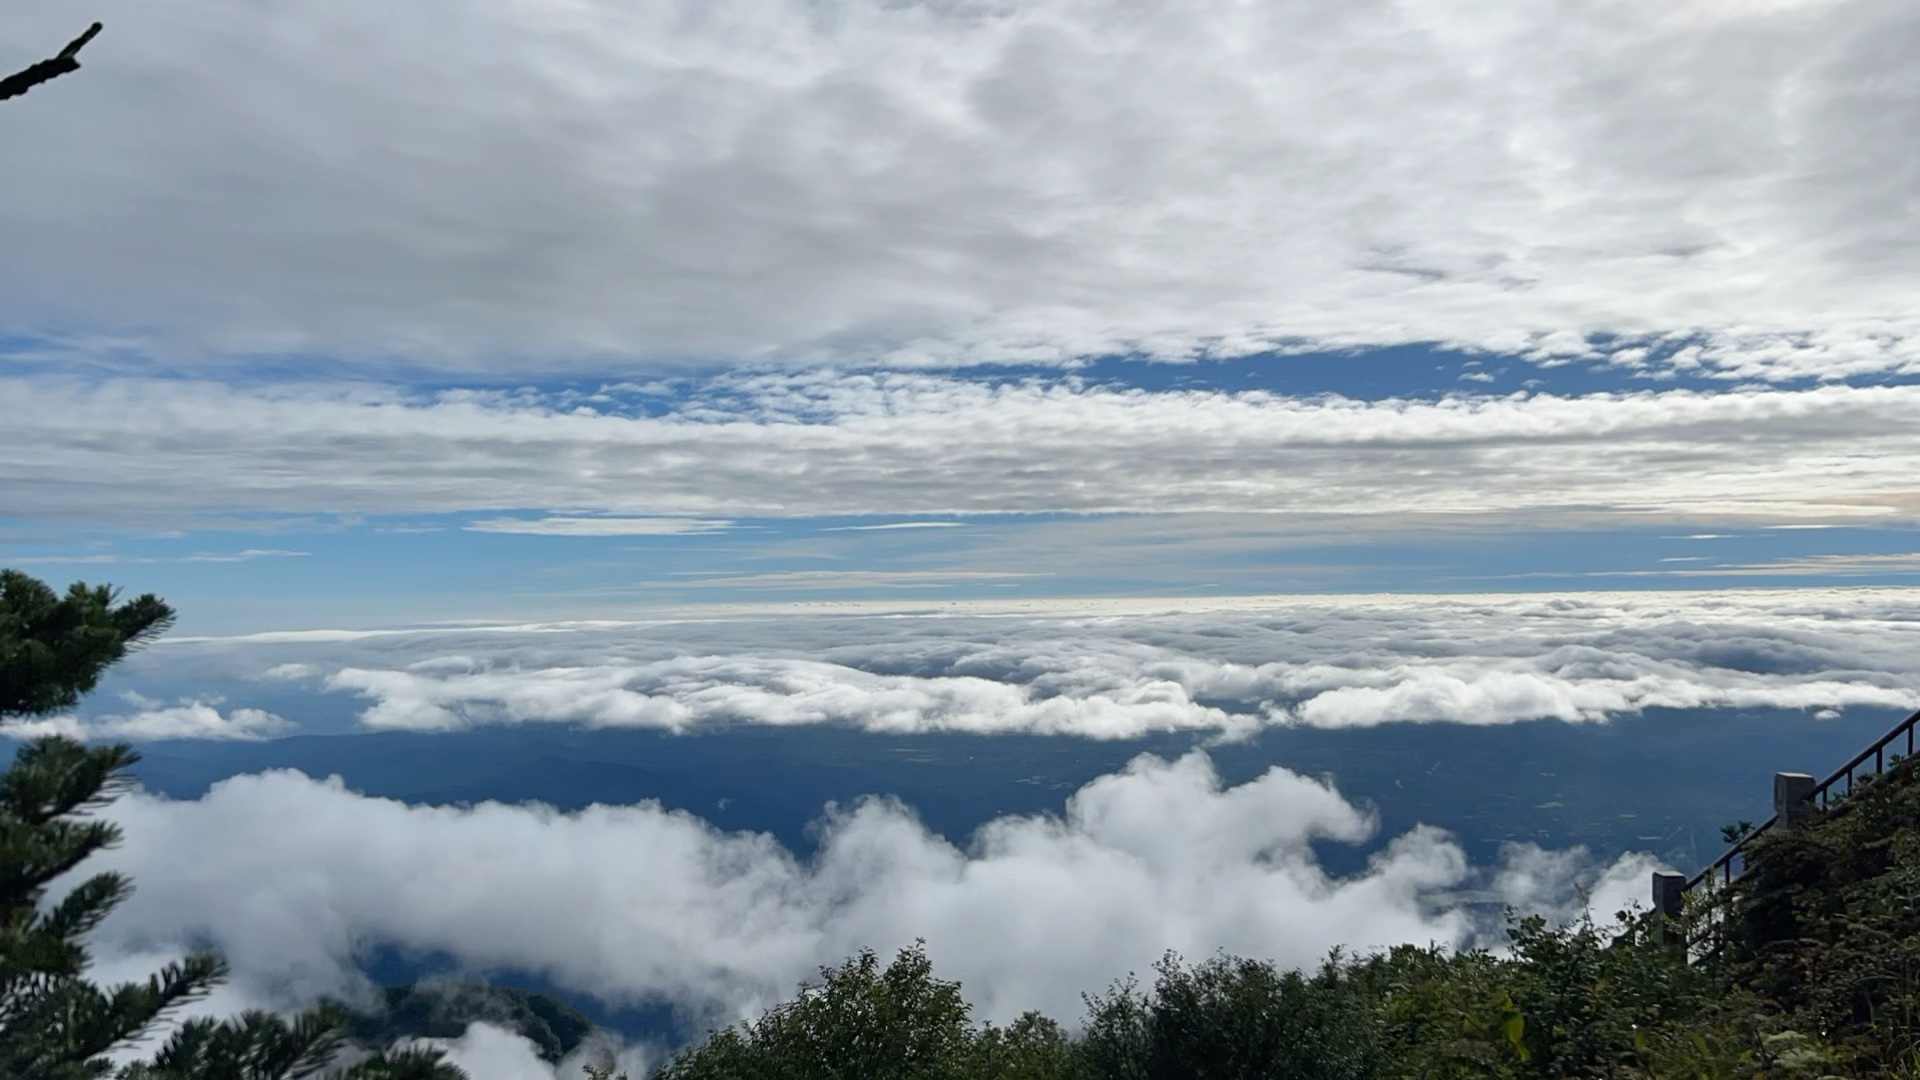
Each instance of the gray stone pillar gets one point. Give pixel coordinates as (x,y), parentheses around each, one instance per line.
(1792,799)
(1668,889)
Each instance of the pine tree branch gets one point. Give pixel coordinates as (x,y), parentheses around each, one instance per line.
(26,79)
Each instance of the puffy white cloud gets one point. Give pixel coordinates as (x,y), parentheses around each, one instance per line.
(289,876)
(827,444)
(1118,670)
(588,185)
(486,1052)
(683,692)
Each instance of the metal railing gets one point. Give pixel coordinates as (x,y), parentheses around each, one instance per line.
(1877,751)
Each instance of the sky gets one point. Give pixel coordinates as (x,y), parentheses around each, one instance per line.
(331,315)
(1041,365)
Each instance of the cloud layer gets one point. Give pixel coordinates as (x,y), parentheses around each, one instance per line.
(187,719)
(1115,670)
(480,183)
(827,444)
(290,877)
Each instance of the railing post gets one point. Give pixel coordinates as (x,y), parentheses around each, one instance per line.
(1668,889)
(1792,798)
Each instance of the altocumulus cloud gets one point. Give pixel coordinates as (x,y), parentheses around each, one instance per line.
(1106,670)
(293,878)
(949,181)
(834,443)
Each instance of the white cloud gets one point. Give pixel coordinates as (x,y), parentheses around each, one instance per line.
(896,525)
(1123,669)
(62,560)
(186,720)
(290,876)
(843,579)
(241,556)
(580,186)
(826,444)
(204,556)
(685,692)
(1562,884)
(486,1052)
(599,526)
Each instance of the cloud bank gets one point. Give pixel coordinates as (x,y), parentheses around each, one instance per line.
(1722,184)
(292,877)
(1113,669)
(186,720)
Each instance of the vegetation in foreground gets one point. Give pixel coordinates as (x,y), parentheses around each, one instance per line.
(55,1024)
(1816,974)
(1807,967)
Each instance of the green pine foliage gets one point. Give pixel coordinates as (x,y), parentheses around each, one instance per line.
(54,648)
(55,1023)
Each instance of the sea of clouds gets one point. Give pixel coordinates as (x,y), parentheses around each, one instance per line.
(290,876)
(293,876)
(1091,669)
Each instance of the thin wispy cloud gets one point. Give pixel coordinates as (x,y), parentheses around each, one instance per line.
(243,556)
(96,559)
(896,525)
(105,558)
(845,579)
(599,526)
(1827,566)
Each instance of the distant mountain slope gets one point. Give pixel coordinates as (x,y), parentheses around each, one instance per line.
(442,1010)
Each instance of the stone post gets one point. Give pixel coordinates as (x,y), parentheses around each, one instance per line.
(1792,799)
(1668,888)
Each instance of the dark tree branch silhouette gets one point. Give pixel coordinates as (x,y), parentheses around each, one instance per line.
(24,80)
